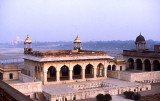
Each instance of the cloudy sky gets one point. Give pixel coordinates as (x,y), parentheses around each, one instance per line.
(63,20)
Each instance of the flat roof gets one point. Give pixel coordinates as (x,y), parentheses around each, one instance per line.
(50,59)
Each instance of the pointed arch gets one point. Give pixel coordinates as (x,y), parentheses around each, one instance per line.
(64,73)
(51,74)
(113,67)
(139,64)
(109,67)
(100,70)
(77,72)
(156,65)
(89,71)
(147,65)
(131,63)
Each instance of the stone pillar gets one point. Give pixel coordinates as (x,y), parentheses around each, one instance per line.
(83,73)
(136,45)
(135,65)
(143,67)
(95,73)
(70,75)
(58,76)
(45,76)
(29,45)
(41,75)
(152,67)
(127,64)
(105,72)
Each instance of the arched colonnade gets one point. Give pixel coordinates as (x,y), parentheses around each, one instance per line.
(77,72)
(143,64)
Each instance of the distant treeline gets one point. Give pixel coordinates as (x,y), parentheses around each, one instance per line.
(112,47)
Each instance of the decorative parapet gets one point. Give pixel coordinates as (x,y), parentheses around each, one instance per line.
(141,53)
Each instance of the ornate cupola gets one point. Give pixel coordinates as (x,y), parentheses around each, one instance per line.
(27,45)
(77,44)
(140,42)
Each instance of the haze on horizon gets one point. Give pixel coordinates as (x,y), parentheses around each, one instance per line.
(91,20)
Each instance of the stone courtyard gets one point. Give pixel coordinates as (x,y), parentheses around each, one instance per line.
(89,89)
(75,87)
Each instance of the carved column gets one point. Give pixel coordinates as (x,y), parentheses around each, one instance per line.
(105,72)
(41,75)
(83,73)
(135,65)
(127,64)
(152,67)
(143,67)
(45,76)
(70,75)
(58,76)
(95,73)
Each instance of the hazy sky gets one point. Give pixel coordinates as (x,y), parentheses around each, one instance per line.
(63,20)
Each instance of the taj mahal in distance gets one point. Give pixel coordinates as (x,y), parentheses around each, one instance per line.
(78,74)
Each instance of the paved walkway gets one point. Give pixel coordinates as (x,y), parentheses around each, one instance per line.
(66,88)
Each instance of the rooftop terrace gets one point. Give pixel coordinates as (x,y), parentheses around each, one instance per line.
(65,53)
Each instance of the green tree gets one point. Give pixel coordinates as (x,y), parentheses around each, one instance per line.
(107,97)
(100,97)
(137,96)
(129,94)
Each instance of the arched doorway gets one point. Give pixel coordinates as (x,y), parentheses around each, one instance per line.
(64,73)
(156,65)
(131,63)
(51,74)
(77,72)
(147,65)
(89,73)
(1,76)
(100,70)
(139,64)
(113,67)
(109,67)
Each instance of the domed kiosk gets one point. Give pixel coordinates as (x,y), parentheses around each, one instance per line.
(77,43)
(140,42)
(27,45)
